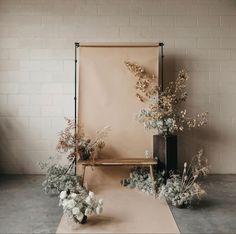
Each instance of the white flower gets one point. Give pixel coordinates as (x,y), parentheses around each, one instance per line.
(73,195)
(146,153)
(63,195)
(64,203)
(91,194)
(71,204)
(79,217)
(99,210)
(88,200)
(100,202)
(75,210)
(185,164)
(88,211)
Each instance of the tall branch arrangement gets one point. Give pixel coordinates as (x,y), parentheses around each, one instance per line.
(164,115)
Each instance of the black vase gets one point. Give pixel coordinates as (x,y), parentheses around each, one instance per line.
(165,149)
(84,154)
(84,220)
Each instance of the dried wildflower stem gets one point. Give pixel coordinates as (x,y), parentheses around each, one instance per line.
(146,85)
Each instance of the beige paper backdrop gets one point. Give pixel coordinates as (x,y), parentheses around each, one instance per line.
(107,97)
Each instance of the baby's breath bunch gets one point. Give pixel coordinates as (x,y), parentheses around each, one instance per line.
(181,189)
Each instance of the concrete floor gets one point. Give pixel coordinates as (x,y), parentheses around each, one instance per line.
(216,213)
(25,209)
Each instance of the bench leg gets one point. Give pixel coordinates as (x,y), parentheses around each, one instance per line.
(83,174)
(153,179)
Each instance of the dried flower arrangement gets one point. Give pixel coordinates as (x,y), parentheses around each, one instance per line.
(164,115)
(78,144)
(180,190)
(80,204)
(141,179)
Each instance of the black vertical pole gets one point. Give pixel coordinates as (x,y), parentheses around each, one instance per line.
(161,44)
(158,149)
(75,101)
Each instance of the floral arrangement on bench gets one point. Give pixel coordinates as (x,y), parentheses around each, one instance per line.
(76,143)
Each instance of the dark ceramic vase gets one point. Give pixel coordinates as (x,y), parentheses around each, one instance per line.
(84,154)
(182,206)
(84,220)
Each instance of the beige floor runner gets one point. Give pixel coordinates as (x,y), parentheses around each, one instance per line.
(125,211)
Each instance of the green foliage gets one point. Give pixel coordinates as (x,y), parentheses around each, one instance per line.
(140,179)
(58,177)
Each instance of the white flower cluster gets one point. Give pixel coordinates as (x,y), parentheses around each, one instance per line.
(58,180)
(159,127)
(81,204)
(174,192)
(140,179)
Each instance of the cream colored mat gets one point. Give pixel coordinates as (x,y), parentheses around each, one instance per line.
(125,211)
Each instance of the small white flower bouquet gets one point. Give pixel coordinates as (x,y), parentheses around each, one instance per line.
(80,205)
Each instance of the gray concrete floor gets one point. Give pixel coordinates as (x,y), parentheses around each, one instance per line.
(24,208)
(216,213)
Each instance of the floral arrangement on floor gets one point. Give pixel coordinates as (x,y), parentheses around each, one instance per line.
(141,179)
(76,201)
(164,115)
(80,204)
(180,190)
(74,144)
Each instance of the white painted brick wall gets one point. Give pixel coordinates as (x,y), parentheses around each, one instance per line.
(37,69)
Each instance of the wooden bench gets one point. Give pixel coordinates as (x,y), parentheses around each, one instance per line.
(119,162)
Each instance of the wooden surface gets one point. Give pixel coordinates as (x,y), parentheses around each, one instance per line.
(118,162)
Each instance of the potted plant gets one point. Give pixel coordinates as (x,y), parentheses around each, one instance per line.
(80,204)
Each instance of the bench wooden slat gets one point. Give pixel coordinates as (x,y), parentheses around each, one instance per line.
(118,162)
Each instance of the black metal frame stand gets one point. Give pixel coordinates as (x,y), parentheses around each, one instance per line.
(77,45)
